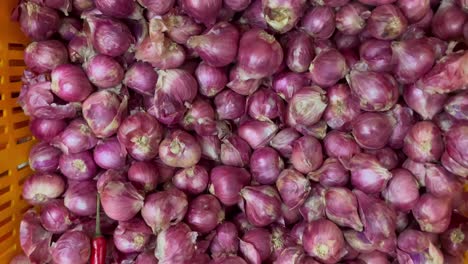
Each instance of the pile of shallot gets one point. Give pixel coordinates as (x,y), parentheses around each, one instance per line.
(246,131)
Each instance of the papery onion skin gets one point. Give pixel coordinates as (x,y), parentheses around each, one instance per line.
(313,207)
(328,68)
(205,12)
(286,84)
(158,7)
(165,208)
(77,137)
(161,52)
(120,200)
(218,46)
(330,174)
(293,188)
(340,145)
(441,183)
(80,197)
(227,182)
(44,158)
(141,77)
(377,55)
(282,141)
(351,18)
(242,84)
(455,240)
(402,118)
(131,236)
(211,80)
(144,175)
(342,208)
(262,204)
(192,180)
(79,166)
(307,154)
(371,130)
(71,247)
(38,22)
(319,22)
(299,52)
(323,240)
(180,149)
(306,106)
(427,105)
(44,56)
(264,104)
(402,190)
(40,188)
(455,140)
(257,133)
(414,10)
(104,72)
(265,165)
(235,151)
(178,84)
(375,91)
(282,16)
(432,213)
(423,143)
(175,244)
(367,174)
(204,213)
(457,106)
(386,22)
(387,157)
(225,241)
(55,217)
(263,58)
(110,154)
(448,10)
(229,105)
(46,129)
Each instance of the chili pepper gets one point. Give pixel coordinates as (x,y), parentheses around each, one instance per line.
(99,247)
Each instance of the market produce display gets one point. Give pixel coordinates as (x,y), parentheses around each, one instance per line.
(245,131)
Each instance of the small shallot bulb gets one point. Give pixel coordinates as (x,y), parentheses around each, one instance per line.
(293,188)
(211,80)
(375,91)
(282,16)
(306,106)
(330,174)
(193,180)
(158,7)
(299,51)
(72,247)
(412,59)
(225,240)
(351,18)
(448,21)
(386,22)
(260,55)
(160,52)
(256,244)
(132,236)
(78,166)
(120,200)
(117,8)
(144,175)
(341,207)
(307,154)
(205,12)
(324,240)
(432,213)
(314,206)
(46,129)
(342,107)
(180,149)
(44,56)
(44,158)
(104,71)
(402,191)
(80,197)
(37,22)
(457,106)
(265,104)
(235,151)
(176,244)
(40,188)
(340,145)
(367,174)
(414,10)
(226,182)
(328,68)
(282,141)
(386,156)
(286,84)
(229,105)
(427,105)
(265,165)
(257,133)
(218,46)
(262,204)
(55,217)
(204,213)
(455,240)
(372,130)
(455,140)
(423,143)
(141,77)
(377,55)
(110,154)
(319,22)
(163,209)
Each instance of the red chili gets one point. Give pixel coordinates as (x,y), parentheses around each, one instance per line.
(99,245)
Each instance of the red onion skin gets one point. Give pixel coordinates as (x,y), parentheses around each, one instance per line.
(225,240)
(386,22)
(235,151)
(340,145)
(448,10)
(237,5)
(239,84)
(402,191)
(402,119)
(77,137)
(342,108)
(306,154)
(313,207)
(257,133)
(110,154)
(55,217)
(40,188)
(146,258)
(414,10)
(120,200)
(319,22)
(427,105)
(348,46)
(446,76)
(457,106)
(257,240)
(282,16)
(165,208)
(282,141)
(79,166)
(306,107)
(192,180)
(44,56)
(412,59)
(227,182)
(351,18)
(205,12)
(104,72)
(432,213)
(374,257)
(453,166)
(286,84)
(265,104)
(158,7)
(218,46)
(180,149)
(71,247)
(178,84)
(265,165)
(455,140)
(132,236)
(375,91)
(211,80)
(423,143)
(377,55)
(46,129)
(204,213)
(80,48)
(83,5)
(293,188)
(179,28)
(342,208)
(37,22)
(358,241)
(141,77)
(175,244)
(440,183)
(44,158)
(80,198)
(160,52)
(299,52)
(371,130)
(328,68)
(254,16)
(367,174)
(259,60)
(330,174)
(324,241)
(229,105)
(144,175)
(262,204)
(455,240)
